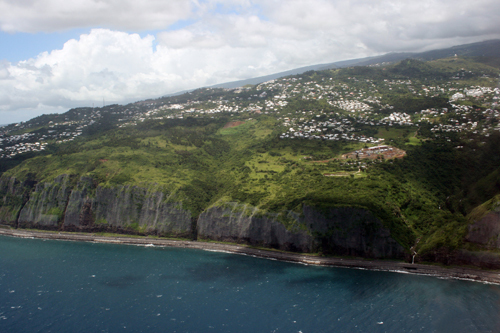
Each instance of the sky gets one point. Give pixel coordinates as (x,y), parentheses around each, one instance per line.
(60,54)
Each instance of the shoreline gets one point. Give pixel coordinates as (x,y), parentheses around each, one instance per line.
(469,274)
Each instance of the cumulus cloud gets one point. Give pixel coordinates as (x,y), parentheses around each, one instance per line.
(101,64)
(222,41)
(115,66)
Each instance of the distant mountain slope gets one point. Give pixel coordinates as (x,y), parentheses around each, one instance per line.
(486,49)
(490,48)
(270,77)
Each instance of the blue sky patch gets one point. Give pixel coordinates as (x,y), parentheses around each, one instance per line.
(22,46)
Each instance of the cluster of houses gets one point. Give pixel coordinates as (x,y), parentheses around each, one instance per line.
(475,91)
(466,124)
(179,111)
(329,136)
(453,128)
(339,94)
(351,105)
(397,118)
(461,118)
(429,114)
(57,132)
(356,96)
(13,145)
(68,136)
(334,131)
(20,148)
(330,129)
(10,139)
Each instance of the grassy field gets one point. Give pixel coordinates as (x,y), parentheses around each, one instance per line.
(394,133)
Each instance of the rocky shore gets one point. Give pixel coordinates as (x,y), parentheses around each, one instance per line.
(485,276)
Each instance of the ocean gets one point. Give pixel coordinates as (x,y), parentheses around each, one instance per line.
(62,286)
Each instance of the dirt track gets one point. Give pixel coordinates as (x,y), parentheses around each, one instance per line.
(378,265)
(233,124)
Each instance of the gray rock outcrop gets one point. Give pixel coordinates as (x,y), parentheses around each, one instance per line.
(79,209)
(345,231)
(46,205)
(143,209)
(486,230)
(351,231)
(239,223)
(13,196)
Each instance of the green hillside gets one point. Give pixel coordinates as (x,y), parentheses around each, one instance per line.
(278,146)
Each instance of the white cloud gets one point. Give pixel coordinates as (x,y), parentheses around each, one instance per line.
(118,67)
(101,64)
(56,15)
(224,41)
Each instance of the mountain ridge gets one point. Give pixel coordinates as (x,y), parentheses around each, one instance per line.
(484,48)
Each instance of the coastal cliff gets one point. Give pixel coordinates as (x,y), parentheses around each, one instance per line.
(144,210)
(351,231)
(240,223)
(132,209)
(150,210)
(484,229)
(481,242)
(57,205)
(342,231)
(483,236)
(46,204)
(13,196)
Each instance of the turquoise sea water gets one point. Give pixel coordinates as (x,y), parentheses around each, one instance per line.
(58,286)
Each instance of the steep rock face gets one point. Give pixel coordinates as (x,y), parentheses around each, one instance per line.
(234,222)
(483,233)
(141,209)
(13,196)
(79,213)
(486,231)
(485,227)
(351,231)
(46,205)
(344,231)
(149,210)
(87,207)
(482,240)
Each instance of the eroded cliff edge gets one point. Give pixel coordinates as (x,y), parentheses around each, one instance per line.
(82,205)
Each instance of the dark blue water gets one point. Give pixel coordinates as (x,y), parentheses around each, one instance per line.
(57,286)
